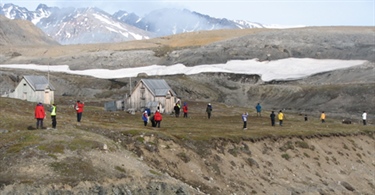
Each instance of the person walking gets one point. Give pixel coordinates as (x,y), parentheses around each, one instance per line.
(280,116)
(79,108)
(244,119)
(209,110)
(145,117)
(364,117)
(185,110)
(40,114)
(273,116)
(152,120)
(258,107)
(176,109)
(323,117)
(53,116)
(158,118)
(306,117)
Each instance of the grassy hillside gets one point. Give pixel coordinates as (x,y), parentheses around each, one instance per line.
(225,123)
(98,148)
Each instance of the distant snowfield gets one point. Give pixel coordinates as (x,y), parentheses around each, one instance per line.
(285,69)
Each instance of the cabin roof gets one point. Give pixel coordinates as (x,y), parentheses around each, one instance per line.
(38,83)
(158,87)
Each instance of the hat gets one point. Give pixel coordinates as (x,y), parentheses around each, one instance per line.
(209,103)
(145,111)
(78,101)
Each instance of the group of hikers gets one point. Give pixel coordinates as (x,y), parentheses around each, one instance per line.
(156,119)
(40,114)
(177,109)
(280,116)
(258,107)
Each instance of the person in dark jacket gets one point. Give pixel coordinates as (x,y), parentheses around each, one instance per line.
(272,116)
(209,110)
(176,109)
(40,114)
(153,122)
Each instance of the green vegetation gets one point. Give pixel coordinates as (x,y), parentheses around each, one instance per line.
(69,167)
(120,169)
(302,144)
(307,155)
(155,173)
(184,157)
(285,156)
(287,146)
(52,147)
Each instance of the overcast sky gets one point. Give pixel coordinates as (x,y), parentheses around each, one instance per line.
(279,12)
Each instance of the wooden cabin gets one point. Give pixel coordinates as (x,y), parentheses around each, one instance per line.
(34,89)
(153,94)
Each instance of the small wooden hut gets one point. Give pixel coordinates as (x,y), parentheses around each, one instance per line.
(153,94)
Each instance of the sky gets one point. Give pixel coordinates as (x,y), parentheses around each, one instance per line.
(268,12)
(285,69)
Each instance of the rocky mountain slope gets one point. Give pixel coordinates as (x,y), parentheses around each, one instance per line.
(21,32)
(214,47)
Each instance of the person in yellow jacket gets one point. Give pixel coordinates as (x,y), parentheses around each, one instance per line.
(323,117)
(53,116)
(280,116)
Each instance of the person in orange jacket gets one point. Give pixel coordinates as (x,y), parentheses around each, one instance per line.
(158,118)
(40,114)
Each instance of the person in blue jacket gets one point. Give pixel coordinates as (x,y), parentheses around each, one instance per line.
(258,107)
(145,117)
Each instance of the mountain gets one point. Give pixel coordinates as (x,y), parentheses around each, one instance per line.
(93,25)
(76,26)
(22,32)
(88,25)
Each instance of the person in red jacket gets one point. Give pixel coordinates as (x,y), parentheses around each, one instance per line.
(79,108)
(158,118)
(185,110)
(40,114)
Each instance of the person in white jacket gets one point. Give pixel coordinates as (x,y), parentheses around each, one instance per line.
(244,118)
(364,117)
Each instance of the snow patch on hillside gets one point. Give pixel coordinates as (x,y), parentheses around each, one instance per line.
(285,69)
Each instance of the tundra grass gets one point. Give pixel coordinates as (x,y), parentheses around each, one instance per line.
(225,123)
